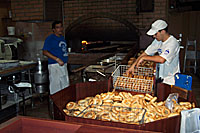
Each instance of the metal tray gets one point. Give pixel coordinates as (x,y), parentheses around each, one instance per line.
(128,114)
(133,84)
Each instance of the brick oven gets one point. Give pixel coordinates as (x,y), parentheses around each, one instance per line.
(101,28)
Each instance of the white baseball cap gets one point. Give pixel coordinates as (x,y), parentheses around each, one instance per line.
(156,26)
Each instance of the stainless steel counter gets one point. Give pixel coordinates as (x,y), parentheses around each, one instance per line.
(11,107)
(22,66)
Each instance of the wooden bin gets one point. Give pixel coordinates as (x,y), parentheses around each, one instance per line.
(82,90)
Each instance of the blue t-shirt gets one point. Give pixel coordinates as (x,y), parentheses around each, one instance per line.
(57,46)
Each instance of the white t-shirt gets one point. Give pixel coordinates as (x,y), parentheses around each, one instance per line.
(169,50)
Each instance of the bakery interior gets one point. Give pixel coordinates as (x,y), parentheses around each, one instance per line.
(104,37)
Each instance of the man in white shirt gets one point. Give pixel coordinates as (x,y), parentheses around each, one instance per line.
(167,48)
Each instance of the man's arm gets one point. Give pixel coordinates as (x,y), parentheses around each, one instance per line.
(155,58)
(131,69)
(49,55)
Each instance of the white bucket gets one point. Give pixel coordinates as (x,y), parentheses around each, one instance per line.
(11,30)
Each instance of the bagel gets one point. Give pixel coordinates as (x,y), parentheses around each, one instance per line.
(193,105)
(122,95)
(95,109)
(105,116)
(124,111)
(122,119)
(135,100)
(139,116)
(90,115)
(165,111)
(153,100)
(81,108)
(88,98)
(117,98)
(76,113)
(173,114)
(130,117)
(97,96)
(114,117)
(117,107)
(139,95)
(149,96)
(83,102)
(66,111)
(149,119)
(160,103)
(185,103)
(95,101)
(107,106)
(136,106)
(105,96)
(126,102)
(127,95)
(108,101)
(149,115)
(142,102)
(71,105)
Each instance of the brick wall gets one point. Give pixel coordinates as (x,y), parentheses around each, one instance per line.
(118,9)
(27,9)
(93,15)
(4,17)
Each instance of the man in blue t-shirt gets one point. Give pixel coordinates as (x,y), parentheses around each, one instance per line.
(55,48)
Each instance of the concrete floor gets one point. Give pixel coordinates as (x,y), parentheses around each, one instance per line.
(41,108)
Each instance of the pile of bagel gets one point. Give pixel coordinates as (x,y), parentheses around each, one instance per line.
(124,107)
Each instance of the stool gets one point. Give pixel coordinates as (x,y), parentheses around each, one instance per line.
(21,92)
(20,89)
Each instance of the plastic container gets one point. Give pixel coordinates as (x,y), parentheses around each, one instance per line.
(11,30)
(183,81)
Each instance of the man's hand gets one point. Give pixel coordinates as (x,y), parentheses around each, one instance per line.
(49,55)
(60,62)
(131,69)
(140,61)
(136,64)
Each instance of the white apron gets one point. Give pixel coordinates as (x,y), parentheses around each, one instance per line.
(58,77)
